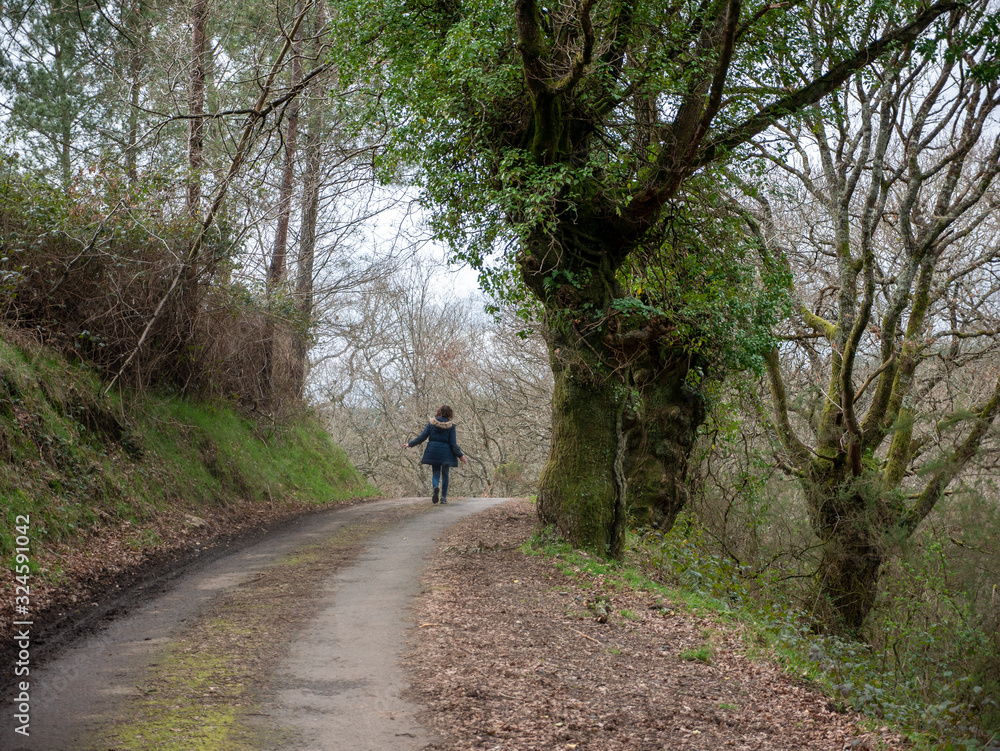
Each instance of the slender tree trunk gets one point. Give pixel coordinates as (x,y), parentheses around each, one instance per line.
(276,269)
(132,136)
(196,104)
(312,180)
(187,322)
(139,29)
(65,118)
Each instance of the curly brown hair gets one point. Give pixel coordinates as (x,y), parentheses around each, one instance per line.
(444,412)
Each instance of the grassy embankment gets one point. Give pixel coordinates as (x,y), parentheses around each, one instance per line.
(126,473)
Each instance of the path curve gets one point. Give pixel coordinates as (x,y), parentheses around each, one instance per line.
(339,685)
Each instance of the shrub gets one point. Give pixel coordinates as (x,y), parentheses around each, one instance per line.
(86,270)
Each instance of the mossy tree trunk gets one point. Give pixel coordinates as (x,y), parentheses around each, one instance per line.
(669,414)
(851,517)
(582,489)
(873,467)
(850,568)
(312,189)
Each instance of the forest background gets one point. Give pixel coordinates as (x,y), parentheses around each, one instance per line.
(757,272)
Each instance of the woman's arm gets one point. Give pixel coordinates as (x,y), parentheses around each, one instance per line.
(420,438)
(454,445)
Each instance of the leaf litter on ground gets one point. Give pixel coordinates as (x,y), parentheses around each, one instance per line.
(511,653)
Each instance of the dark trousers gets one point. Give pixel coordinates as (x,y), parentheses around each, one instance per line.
(439,477)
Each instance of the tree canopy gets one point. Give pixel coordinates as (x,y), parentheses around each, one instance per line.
(557,139)
(523,119)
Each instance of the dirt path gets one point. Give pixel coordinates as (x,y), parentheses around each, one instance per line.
(291,643)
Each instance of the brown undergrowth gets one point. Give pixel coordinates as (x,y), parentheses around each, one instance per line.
(509,653)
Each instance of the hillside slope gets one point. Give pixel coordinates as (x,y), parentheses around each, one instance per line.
(107,489)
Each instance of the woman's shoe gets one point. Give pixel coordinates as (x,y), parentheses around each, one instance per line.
(434,496)
(444,501)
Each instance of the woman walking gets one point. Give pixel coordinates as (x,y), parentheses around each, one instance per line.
(442,451)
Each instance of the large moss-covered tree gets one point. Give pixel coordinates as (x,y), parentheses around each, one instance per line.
(557,138)
(897,299)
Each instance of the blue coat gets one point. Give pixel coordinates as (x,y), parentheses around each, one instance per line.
(441,445)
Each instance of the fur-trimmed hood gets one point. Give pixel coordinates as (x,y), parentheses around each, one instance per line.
(443,424)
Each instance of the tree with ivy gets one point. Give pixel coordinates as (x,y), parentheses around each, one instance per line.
(695,285)
(560,138)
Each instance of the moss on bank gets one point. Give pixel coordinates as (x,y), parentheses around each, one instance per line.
(76,462)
